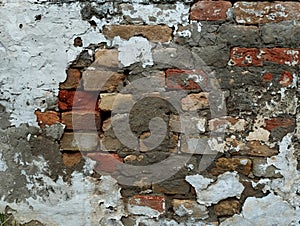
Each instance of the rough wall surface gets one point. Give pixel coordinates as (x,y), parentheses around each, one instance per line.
(149,112)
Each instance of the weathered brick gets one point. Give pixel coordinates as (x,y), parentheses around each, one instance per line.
(172,187)
(227,124)
(210,10)
(279,123)
(241,165)
(155,33)
(189,208)
(255,148)
(106,58)
(186,79)
(73,79)
(116,102)
(266,12)
(81,120)
(71,159)
(79,142)
(227,208)
(182,123)
(97,80)
(245,57)
(47,118)
(286,79)
(257,57)
(68,100)
(107,163)
(194,102)
(152,206)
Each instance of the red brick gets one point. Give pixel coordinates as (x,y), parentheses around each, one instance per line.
(47,118)
(257,12)
(156,33)
(83,120)
(245,57)
(105,162)
(67,100)
(73,79)
(286,78)
(274,123)
(179,79)
(257,57)
(210,10)
(154,202)
(267,77)
(281,56)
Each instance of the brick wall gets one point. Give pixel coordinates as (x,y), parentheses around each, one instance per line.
(251,51)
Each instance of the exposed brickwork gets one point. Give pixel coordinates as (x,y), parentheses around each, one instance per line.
(259,57)
(154,202)
(251,48)
(265,12)
(210,10)
(82,100)
(47,118)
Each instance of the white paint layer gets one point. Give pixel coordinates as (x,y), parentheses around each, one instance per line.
(35,53)
(227,185)
(269,210)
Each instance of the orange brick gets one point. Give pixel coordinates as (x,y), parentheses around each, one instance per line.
(47,118)
(210,10)
(73,79)
(71,159)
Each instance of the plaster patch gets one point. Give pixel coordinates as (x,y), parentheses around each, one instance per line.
(179,14)
(227,185)
(136,49)
(269,210)
(37,53)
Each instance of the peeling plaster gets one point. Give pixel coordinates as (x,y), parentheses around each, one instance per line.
(269,210)
(37,54)
(136,49)
(227,185)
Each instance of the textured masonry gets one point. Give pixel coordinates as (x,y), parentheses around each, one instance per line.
(203,95)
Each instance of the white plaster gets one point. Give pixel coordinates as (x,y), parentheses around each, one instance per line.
(227,185)
(143,210)
(269,210)
(179,14)
(86,201)
(36,55)
(201,125)
(136,49)
(259,134)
